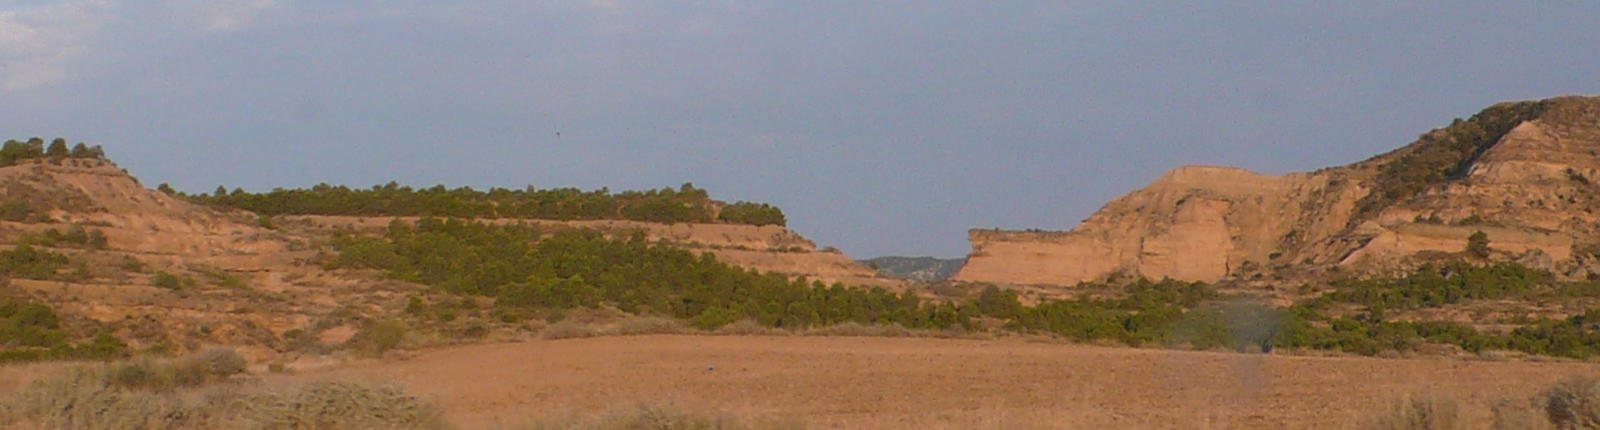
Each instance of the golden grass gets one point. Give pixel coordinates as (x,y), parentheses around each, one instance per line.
(1570,404)
(656,416)
(1421,411)
(202,391)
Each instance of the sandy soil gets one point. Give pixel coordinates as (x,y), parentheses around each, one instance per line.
(933,383)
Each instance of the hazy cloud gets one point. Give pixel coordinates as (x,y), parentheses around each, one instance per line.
(39,46)
(228,15)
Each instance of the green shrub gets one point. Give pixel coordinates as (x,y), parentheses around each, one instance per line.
(415,306)
(1438,285)
(130,264)
(382,336)
(1478,244)
(16,211)
(25,261)
(32,331)
(74,236)
(752,213)
(169,281)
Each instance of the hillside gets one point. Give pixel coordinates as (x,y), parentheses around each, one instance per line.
(97,266)
(106,256)
(1518,172)
(168,274)
(768,248)
(916,269)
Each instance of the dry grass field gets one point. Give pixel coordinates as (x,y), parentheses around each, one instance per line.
(920,383)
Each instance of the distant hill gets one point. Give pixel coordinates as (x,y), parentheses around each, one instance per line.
(919,269)
(1519,174)
(93,265)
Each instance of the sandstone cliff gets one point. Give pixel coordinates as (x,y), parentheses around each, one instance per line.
(1519,172)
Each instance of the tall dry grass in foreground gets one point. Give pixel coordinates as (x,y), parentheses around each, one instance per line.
(651,416)
(212,390)
(1572,404)
(204,391)
(1421,411)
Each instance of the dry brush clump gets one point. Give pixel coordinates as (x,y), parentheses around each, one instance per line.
(1520,415)
(340,405)
(1571,404)
(204,391)
(657,416)
(644,325)
(746,327)
(567,330)
(854,329)
(1420,411)
(207,366)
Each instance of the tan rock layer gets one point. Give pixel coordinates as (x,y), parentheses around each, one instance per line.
(1531,192)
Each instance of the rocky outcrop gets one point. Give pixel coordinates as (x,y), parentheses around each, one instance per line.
(1527,187)
(98,193)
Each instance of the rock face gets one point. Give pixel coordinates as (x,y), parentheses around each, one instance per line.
(98,193)
(1520,172)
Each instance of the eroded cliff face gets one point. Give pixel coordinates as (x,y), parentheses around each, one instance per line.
(1530,191)
(1194,223)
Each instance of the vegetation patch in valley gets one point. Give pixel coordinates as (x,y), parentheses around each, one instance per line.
(1438,285)
(524,269)
(530,272)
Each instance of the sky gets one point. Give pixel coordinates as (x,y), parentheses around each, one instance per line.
(880,127)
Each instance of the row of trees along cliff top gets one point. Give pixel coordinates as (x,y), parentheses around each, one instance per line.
(666,205)
(35,148)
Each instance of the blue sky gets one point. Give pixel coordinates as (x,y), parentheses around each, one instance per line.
(884,127)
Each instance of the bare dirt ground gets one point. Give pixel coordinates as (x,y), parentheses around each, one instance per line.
(897,383)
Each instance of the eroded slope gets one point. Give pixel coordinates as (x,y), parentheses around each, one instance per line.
(1517,171)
